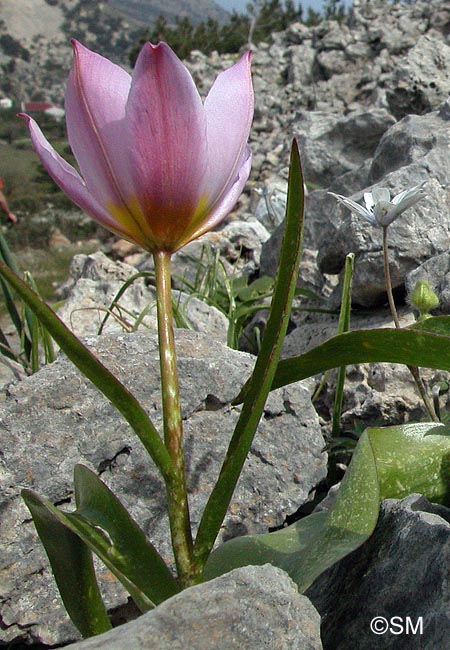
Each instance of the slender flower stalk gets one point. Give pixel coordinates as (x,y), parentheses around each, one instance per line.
(412,369)
(381,211)
(387,275)
(177,499)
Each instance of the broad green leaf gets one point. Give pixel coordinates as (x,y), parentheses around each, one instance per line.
(423,344)
(265,365)
(72,566)
(129,551)
(96,372)
(435,324)
(418,346)
(104,525)
(389,462)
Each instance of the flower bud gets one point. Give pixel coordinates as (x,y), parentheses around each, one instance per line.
(423,298)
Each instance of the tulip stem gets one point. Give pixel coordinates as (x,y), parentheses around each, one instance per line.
(413,369)
(177,500)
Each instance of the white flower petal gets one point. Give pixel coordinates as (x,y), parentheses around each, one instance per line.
(369,200)
(382,212)
(416,191)
(381,194)
(355,208)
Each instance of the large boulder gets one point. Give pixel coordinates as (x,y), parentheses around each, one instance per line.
(421,81)
(400,574)
(253,607)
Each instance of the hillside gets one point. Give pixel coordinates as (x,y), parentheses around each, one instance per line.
(145,11)
(35,53)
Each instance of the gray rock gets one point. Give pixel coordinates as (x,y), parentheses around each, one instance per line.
(10,371)
(93,285)
(301,69)
(197,315)
(332,62)
(330,35)
(401,571)
(331,146)
(55,419)
(253,607)
(420,82)
(94,282)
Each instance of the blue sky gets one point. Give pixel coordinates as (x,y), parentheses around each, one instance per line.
(240,5)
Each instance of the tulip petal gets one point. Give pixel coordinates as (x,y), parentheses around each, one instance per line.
(68,179)
(224,206)
(96,96)
(229,113)
(166,128)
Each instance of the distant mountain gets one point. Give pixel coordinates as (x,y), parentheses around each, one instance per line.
(147,11)
(35,52)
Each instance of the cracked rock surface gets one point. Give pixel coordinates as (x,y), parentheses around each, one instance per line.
(56,418)
(282,619)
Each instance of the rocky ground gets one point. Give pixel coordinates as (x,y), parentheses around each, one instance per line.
(368,102)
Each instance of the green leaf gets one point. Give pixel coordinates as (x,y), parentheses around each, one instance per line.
(72,566)
(343,326)
(435,324)
(126,550)
(417,346)
(265,365)
(103,524)
(96,372)
(389,462)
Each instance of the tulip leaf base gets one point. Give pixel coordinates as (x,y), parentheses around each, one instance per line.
(72,566)
(101,524)
(389,462)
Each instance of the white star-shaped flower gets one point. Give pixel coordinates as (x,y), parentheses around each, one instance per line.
(380,210)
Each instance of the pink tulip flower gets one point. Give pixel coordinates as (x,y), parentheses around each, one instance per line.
(158,166)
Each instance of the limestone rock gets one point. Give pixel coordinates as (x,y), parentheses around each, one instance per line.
(93,285)
(421,82)
(253,607)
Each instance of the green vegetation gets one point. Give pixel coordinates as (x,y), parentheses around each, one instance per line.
(263,19)
(27,186)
